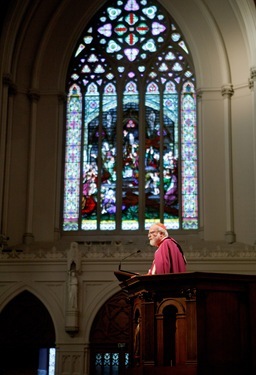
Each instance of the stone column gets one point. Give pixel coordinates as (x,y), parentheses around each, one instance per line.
(252,87)
(6,110)
(227,92)
(28,236)
(199,95)
(58,172)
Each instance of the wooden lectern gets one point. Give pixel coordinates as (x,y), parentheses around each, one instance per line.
(192,324)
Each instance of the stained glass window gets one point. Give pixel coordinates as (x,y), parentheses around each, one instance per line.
(131,131)
(110,363)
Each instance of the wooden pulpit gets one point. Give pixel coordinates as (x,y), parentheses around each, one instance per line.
(192,324)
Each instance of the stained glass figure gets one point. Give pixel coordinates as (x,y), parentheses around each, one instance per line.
(131,129)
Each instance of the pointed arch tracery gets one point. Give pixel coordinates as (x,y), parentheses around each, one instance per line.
(131,134)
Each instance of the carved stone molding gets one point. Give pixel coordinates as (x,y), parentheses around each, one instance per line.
(252,78)
(33,95)
(7,81)
(195,250)
(253,73)
(199,94)
(227,90)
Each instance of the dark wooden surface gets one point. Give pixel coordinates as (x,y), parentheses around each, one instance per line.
(215,329)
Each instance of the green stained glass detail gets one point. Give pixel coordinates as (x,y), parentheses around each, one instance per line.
(88,39)
(141,68)
(120,30)
(170,56)
(113,13)
(175,37)
(150,12)
(99,69)
(177,67)
(150,45)
(131,39)
(110,76)
(131,19)
(163,67)
(188,74)
(142,29)
(153,74)
(86,69)
(113,46)
(93,58)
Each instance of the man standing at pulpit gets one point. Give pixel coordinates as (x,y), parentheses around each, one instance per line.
(169,257)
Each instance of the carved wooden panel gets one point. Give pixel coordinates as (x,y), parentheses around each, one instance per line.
(110,337)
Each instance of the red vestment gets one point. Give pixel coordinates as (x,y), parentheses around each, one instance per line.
(168,258)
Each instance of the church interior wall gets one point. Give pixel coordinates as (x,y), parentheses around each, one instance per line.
(244,163)
(36,51)
(215,69)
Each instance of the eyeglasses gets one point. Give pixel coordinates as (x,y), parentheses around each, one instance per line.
(153,231)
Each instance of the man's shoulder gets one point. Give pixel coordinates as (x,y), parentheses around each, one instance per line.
(169,239)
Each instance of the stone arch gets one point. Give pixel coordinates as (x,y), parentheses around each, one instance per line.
(26,334)
(43,295)
(198,15)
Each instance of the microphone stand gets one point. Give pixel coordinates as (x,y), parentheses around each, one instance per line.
(135,252)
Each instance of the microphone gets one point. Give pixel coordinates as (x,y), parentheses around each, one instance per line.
(135,252)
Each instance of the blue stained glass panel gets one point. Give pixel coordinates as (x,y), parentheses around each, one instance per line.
(189,158)
(72,159)
(108,165)
(171,160)
(130,170)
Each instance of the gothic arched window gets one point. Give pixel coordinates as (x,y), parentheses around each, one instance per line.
(131,134)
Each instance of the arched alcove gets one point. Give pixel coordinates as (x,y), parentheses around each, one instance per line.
(169,333)
(26,334)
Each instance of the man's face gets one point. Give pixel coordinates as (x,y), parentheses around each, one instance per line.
(154,236)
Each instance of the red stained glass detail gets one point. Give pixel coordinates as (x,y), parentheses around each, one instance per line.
(131,39)
(120,29)
(142,28)
(131,19)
